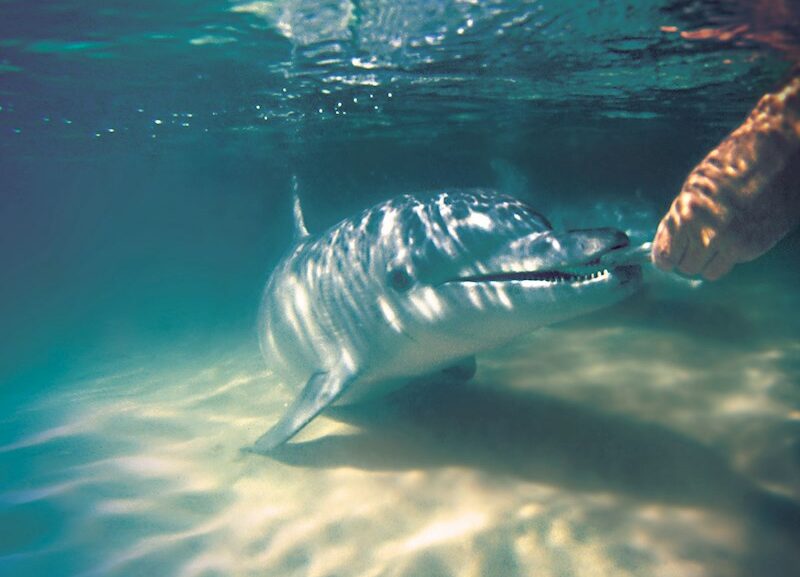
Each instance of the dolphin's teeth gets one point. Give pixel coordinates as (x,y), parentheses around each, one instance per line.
(553,277)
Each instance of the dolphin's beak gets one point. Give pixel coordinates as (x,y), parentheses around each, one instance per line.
(639,254)
(583,246)
(572,248)
(600,248)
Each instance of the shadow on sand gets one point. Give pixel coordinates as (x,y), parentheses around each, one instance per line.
(537,438)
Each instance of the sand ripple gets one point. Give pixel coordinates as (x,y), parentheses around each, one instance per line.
(595,449)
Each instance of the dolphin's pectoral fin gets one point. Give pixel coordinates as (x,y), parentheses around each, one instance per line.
(462,371)
(319,392)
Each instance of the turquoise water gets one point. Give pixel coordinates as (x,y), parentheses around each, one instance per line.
(147,154)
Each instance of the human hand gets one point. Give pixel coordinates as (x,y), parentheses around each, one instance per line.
(742,198)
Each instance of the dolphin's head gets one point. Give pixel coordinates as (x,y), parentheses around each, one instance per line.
(466,271)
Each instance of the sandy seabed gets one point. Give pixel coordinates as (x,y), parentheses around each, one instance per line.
(606,447)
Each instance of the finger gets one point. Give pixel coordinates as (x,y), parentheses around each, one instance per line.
(669,243)
(703,246)
(717,267)
(660,253)
(694,258)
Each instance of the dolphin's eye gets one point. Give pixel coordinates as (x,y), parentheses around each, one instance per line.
(399,280)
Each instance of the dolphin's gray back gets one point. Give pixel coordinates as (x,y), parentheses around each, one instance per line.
(323,299)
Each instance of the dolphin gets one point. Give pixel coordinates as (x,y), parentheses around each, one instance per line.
(417,285)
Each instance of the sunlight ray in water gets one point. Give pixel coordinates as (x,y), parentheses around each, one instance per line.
(59,432)
(39,493)
(469,490)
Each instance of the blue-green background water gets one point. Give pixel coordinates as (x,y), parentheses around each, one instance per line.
(146,156)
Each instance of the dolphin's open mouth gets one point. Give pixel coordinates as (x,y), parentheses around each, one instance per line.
(625,273)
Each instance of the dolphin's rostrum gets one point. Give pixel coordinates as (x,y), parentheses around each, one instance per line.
(419,284)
